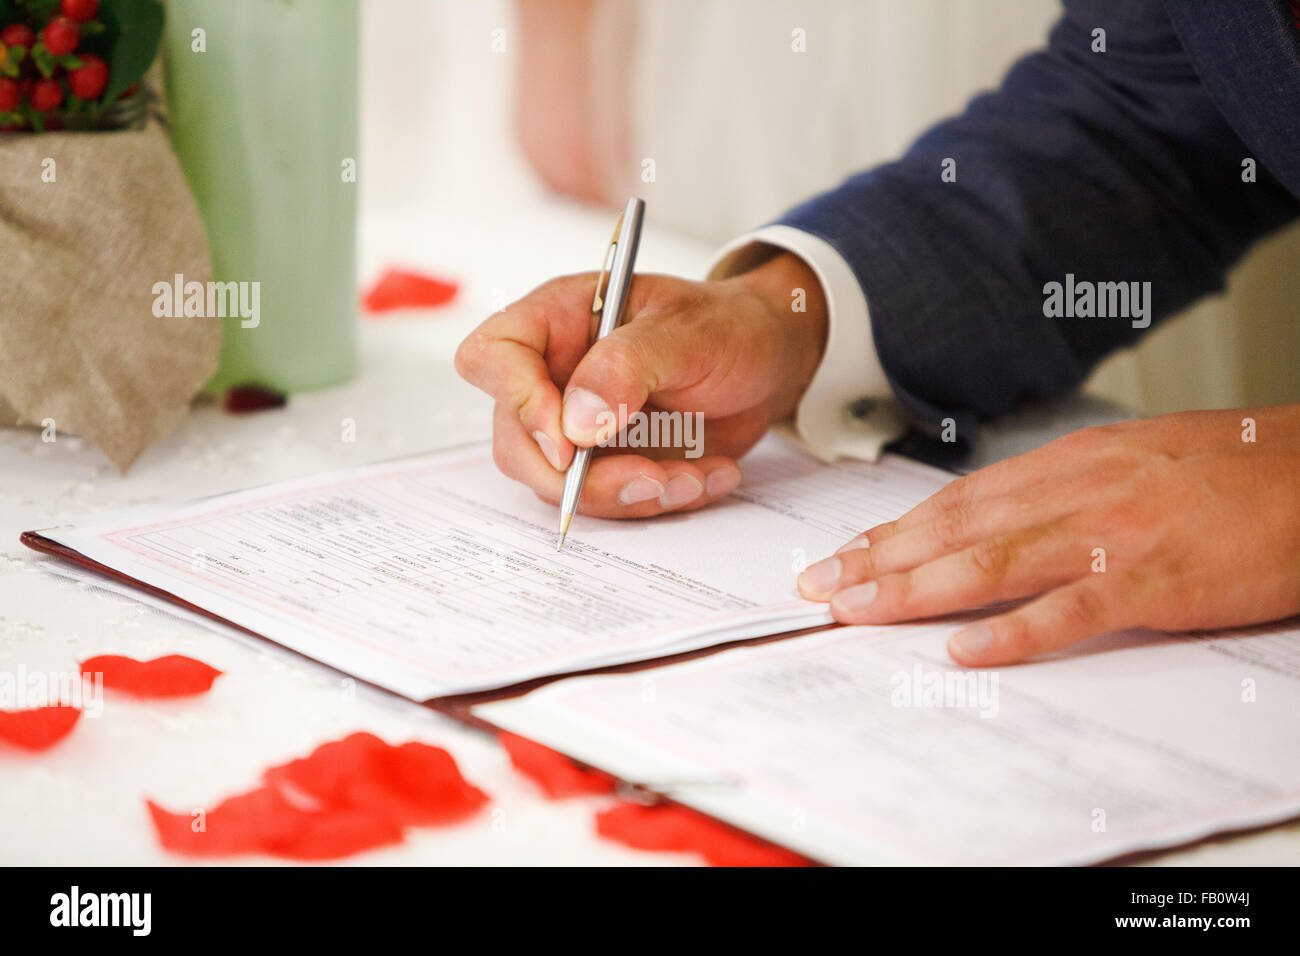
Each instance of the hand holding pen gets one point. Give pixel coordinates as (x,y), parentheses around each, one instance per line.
(734,350)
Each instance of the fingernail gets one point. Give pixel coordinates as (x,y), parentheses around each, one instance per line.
(859,542)
(856,599)
(548,448)
(972,641)
(681,490)
(722,482)
(821,577)
(640,489)
(586,416)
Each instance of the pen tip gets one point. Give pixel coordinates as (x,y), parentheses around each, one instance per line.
(565,520)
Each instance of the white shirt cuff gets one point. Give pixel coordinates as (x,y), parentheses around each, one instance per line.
(850,370)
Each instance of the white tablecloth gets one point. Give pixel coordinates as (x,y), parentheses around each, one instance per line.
(82,802)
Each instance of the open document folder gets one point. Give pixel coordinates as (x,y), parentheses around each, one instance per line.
(867,745)
(436,575)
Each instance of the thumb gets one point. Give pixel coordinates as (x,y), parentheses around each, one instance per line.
(622,370)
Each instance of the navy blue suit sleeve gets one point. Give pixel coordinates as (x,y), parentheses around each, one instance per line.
(1111,166)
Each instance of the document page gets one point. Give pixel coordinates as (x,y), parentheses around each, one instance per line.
(867,745)
(437,575)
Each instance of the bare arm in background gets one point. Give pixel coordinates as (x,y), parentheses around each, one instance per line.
(571,95)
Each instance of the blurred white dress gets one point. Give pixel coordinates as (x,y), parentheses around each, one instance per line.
(741,108)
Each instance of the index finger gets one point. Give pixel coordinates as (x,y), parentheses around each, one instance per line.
(951,505)
(518,355)
(553,323)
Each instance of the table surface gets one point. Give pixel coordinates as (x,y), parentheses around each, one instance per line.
(82,802)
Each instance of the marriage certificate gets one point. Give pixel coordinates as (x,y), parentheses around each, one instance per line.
(436,575)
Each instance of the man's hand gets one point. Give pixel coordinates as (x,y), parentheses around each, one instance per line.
(734,351)
(1184,522)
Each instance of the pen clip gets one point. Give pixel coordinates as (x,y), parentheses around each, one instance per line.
(602,280)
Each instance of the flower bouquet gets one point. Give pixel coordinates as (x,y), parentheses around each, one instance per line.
(95,212)
(75,64)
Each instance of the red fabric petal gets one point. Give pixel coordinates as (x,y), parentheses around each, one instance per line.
(263,821)
(246,823)
(336,833)
(399,289)
(556,774)
(172,676)
(328,772)
(429,785)
(412,784)
(38,728)
(667,827)
(346,796)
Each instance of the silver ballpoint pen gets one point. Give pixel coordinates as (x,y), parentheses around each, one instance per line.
(620,258)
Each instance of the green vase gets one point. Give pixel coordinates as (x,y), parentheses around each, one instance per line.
(263,98)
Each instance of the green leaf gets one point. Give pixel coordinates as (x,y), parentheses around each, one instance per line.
(134,30)
(12,59)
(43,10)
(70,62)
(43,59)
(92,28)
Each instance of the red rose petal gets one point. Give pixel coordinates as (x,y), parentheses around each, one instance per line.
(430,785)
(330,770)
(172,676)
(667,827)
(263,821)
(346,796)
(556,774)
(412,784)
(38,728)
(331,834)
(246,823)
(399,289)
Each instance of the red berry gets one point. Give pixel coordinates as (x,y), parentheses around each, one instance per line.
(18,34)
(62,36)
(11,94)
(46,95)
(89,80)
(80,10)
(253,398)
